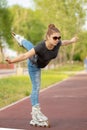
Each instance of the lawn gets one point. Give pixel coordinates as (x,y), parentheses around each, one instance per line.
(14,88)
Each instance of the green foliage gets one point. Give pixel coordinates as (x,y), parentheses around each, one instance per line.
(5,23)
(5,27)
(14,88)
(68,16)
(77,57)
(26,23)
(81,48)
(36,31)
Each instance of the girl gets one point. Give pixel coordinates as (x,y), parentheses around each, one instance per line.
(38,57)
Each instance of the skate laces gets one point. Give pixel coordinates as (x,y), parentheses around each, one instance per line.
(39,111)
(40,114)
(18,38)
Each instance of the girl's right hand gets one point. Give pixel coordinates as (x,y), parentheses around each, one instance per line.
(8,60)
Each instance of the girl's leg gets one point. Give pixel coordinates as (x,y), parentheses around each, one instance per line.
(35,75)
(34,71)
(27,44)
(22,41)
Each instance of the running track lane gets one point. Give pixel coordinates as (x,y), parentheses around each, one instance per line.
(65,104)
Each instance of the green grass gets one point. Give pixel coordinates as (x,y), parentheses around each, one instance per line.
(14,88)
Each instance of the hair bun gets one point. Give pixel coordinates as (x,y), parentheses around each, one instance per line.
(51,26)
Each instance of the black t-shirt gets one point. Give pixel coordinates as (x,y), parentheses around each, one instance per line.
(43,55)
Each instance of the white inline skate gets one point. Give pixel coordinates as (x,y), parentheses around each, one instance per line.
(38,118)
(18,38)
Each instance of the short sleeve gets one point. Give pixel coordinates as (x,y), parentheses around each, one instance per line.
(38,48)
(60,42)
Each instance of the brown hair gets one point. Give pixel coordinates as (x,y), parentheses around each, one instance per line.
(52,29)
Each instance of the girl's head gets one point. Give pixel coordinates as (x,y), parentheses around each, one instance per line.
(52,29)
(53,34)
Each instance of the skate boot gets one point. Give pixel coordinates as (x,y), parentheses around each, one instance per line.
(38,118)
(18,38)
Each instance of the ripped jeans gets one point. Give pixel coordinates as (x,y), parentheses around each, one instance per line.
(35,75)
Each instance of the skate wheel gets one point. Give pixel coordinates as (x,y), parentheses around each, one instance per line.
(34,125)
(47,125)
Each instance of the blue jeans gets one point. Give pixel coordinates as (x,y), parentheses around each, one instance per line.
(35,75)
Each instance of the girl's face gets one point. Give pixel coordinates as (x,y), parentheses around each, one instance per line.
(54,38)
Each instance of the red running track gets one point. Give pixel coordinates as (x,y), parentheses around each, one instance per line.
(65,104)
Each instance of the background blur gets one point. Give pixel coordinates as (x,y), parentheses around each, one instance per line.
(31,18)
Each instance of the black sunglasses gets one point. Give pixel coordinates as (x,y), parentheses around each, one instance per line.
(55,38)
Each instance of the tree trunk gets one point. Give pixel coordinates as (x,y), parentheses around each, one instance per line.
(1,54)
(72,52)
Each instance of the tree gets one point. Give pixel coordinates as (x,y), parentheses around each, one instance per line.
(26,23)
(5,26)
(68,15)
(81,48)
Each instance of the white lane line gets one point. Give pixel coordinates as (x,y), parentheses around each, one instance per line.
(13,103)
(9,129)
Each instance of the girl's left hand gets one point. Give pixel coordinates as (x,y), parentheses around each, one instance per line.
(74,39)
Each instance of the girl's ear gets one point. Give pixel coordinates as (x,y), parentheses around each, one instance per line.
(47,37)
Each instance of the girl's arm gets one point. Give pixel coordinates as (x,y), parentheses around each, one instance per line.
(68,42)
(21,57)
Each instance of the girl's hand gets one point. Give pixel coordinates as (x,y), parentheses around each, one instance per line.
(8,60)
(74,39)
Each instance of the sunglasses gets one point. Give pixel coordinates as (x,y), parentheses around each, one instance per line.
(55,38)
